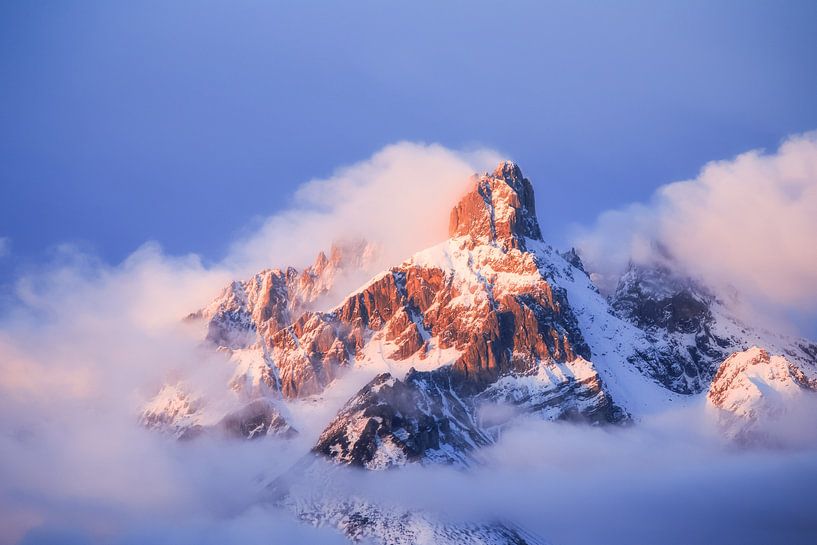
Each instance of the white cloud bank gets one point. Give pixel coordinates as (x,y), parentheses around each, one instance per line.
(749,223)
(87,342)
(399,199)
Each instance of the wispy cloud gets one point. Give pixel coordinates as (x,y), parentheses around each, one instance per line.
(88,342)
(399,198)
(748,223)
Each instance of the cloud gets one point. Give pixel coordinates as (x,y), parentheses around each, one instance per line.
(399,199)
(87,342)
(748,223)
(5,246)
(668,480)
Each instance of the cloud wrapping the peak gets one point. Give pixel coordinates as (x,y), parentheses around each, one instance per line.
(398,199)
(87,343)
(748,223)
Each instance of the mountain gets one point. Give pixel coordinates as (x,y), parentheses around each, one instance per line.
(754,393)
(391,422)
(442,351)
(178,413)
(696,328)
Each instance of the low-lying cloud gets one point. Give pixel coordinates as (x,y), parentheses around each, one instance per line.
(747,224)
(86,343)
(670,479)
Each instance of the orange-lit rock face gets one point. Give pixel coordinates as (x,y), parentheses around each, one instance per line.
(486,298)
(273,299)
(499,210)
(476,313)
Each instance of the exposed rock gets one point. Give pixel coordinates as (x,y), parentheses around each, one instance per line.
(572,257)
(654,297)
(499,210)
(691,329)
(391,422)
(557,391)
(668,305)
(482,294)
(184,416)
(275,298)
(258,418)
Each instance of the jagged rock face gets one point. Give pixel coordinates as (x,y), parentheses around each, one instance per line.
(273,298)
(391,422)
(557,391)
(655,298)
(675,308)
(501,210)
(753,391)
(572,257)
(480,293)
(257,419)
(691,330)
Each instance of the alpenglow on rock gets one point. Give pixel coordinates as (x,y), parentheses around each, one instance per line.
(480,293)
(500,210)
(459,341)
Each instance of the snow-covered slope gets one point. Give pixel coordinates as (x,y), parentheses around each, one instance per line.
(753,393)
(697,327)
(180,414)
(439,352)
(391,422)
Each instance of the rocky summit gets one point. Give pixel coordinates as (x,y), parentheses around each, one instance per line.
(490,318)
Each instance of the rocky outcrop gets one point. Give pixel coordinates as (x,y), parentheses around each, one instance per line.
(655,298)
(392,422)
(691,330)
(570,391)
(480,293)
(258,418)
(275,298)
(678,313)
(501,210)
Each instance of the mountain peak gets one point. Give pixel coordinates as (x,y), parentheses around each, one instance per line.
(500,209)
(508,170)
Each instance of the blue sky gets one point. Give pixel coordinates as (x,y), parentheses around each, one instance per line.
(180,122)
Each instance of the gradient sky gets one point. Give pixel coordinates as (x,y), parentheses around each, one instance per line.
(180,122)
